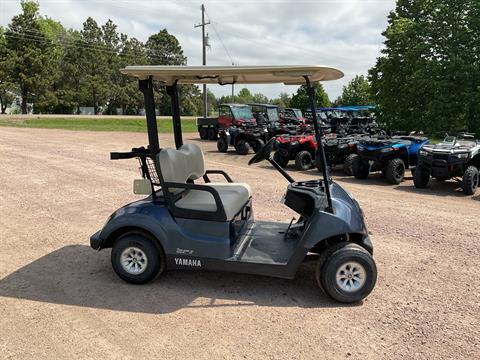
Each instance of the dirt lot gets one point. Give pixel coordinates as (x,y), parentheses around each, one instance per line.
(60,299)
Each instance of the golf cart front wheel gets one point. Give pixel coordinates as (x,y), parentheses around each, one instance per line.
(470,180)
(346,272)
(137,259)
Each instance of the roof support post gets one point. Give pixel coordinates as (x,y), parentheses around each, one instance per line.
(146,87)
(318,138)
(172,91)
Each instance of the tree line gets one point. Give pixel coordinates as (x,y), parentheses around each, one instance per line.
(427,76)
(59,70)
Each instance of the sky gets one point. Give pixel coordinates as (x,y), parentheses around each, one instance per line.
(345,34)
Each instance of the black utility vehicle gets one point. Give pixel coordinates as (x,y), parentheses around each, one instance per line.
(188,222)
(455,157)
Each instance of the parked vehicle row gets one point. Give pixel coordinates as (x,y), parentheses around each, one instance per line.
(353,139)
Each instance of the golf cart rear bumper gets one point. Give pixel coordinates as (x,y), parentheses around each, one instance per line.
(96,241)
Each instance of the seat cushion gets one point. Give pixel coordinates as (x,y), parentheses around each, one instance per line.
(234,196)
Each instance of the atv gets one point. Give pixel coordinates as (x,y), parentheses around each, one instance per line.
(390,156)
(228,115)
(301,147)
(455,157)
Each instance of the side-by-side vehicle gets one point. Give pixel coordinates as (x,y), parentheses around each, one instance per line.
(187,221)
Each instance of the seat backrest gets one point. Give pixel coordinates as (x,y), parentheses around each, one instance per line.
(180,165)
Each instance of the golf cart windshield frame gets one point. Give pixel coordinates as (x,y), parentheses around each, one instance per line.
(146,87)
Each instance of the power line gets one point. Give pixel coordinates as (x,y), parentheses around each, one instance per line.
(220,38)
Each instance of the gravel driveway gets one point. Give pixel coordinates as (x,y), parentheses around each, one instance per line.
(59,299)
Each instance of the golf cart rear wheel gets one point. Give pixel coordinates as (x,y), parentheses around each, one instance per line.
(212,133)
(348,164)
(203,133)
(395,171)
(360,168)
(421,177)
(137,259)
(280,159)
(346,272)
(242,147)
(222,145)
(470,180)
(303,160)
(257,145)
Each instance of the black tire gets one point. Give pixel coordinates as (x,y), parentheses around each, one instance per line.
(257,145)
(352,258)
(421,177)
(303,160)
(360,168)
(222,144)
(348,164)
(212,133)
(242,147)
(142,247)
(203,133)
(395,171)
(470,180)
(280,159)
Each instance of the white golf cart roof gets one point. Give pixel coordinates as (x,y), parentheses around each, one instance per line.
(287,74)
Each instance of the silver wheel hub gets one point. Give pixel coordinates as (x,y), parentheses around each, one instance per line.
(351,276)
(133,260)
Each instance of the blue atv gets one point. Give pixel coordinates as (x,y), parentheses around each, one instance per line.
(390,156)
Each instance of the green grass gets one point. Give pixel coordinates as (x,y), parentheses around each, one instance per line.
(102,124)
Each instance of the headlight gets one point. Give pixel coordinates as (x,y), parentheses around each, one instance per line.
(384,150)
(294,143)
(423,152)
(462,156)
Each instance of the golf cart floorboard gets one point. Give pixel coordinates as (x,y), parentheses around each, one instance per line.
(265,243)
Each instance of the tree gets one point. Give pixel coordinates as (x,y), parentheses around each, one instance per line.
(6,87)
(428,73)
(300,98)
(283,101)
(356,92)
(29,51)
(244,96)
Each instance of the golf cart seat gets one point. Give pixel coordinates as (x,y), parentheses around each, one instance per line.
(187,164)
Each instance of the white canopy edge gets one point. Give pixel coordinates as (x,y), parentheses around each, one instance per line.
(287,74)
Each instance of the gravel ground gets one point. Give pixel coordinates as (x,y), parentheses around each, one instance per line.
(60,299)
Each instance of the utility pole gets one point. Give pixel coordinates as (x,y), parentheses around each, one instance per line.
(233,87)
(204,55)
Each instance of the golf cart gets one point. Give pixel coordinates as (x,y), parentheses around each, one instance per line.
(228,115)
(191,225)
(454,157)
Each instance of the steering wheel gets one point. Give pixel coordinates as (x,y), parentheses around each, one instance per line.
(263,153)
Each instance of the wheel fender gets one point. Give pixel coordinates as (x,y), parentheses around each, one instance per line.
(348,219)
(151,223)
